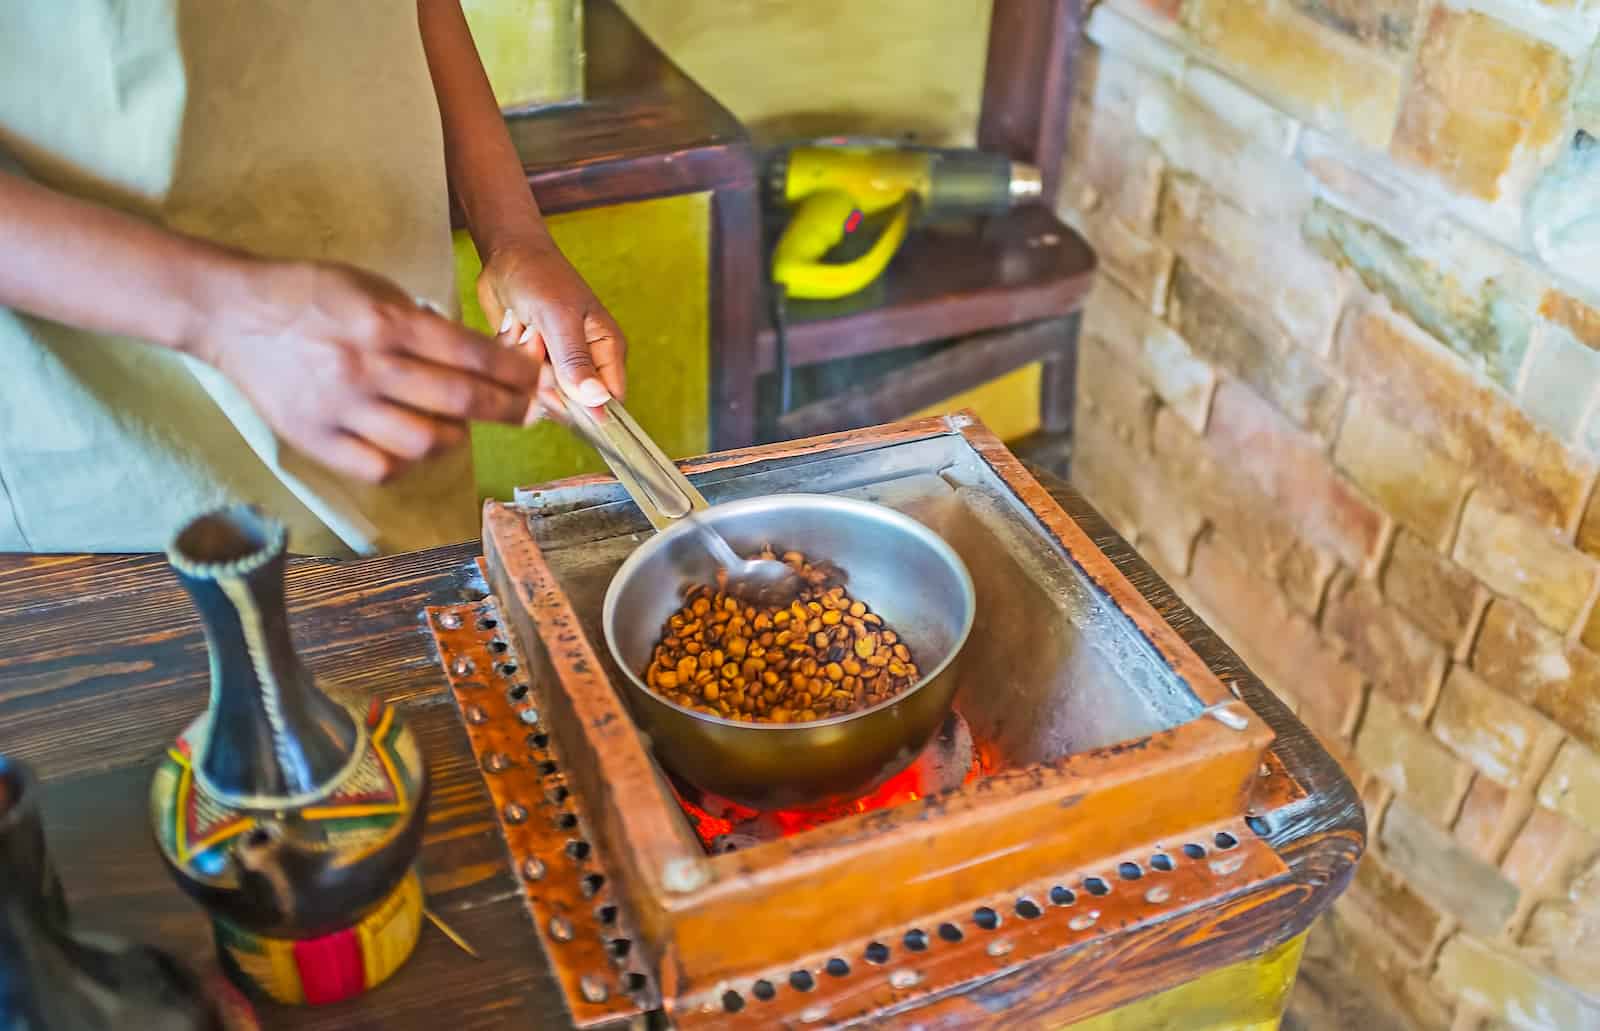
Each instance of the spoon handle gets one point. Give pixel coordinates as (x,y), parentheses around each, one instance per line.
(651,479)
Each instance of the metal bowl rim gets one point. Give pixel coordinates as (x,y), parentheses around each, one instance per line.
(876,511)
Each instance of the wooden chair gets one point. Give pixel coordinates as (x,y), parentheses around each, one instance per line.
(1011,287)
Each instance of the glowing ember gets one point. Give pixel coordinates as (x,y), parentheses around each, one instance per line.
(723,826)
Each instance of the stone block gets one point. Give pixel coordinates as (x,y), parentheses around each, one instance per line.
(1289,467)
(1231,502)
(1161,359)
(1524,561)
(1475,307)
(1112,30)
(1141,265)
(1401,661)
(1564,938)
(1222,332)
(1108,389)
(1469,127)
(1347,948)
(1501,737)
(1589,434)
(1567,25)
(1517,655)
(1573,785)
(1591,629)
(1257,178)
(1586,101)
(1542,855)
(1314,71)
(1403,472)
(1283,648)
(1165,9)
(1589,527)
(1262,265)
(1374,191)
(1480,826)
(1421,770)
(1425,388)
(1394,907)
(1562,210)
(1112,475)
(1389,25)
(1253,118)
(1509,990)
(1112,81)
(1564,935)
(1437,594)
(1098,471)
(1576,317)
(1560,382)
(1111,169)
(1444,873)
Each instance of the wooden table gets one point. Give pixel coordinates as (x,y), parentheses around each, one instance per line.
(102,663)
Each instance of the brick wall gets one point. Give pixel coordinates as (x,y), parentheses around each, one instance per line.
(1340,382)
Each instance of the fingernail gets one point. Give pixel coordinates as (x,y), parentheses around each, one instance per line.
(506,322)
(593,393)
(535,413)
(526,337)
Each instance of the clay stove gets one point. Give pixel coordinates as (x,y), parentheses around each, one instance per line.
(1098,785)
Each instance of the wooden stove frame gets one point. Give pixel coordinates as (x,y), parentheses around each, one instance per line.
(681,903)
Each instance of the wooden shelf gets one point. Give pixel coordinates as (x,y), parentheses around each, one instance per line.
(644,128)
(947,281)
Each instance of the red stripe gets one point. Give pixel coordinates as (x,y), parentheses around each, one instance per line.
(330,967)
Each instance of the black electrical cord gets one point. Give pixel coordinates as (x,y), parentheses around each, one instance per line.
(780,336)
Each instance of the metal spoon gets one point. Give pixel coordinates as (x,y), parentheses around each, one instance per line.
(665,496)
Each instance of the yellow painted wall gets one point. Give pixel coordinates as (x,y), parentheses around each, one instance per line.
(1008,406)
(888,67)
(532,50)
(647,261)
(884,67)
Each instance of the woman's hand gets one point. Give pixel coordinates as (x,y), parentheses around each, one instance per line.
(545,310)
(347,368)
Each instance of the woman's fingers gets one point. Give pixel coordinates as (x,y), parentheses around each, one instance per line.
(566,341)
(609,349)
(442,342)
(438,390)
(348,454)
(403,433)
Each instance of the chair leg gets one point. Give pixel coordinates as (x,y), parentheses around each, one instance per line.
(1058,390)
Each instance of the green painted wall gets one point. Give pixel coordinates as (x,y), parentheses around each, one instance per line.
(648,262)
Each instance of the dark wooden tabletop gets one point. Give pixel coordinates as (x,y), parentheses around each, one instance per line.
(102,663)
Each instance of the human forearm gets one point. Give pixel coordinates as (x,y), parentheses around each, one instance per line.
(99,269)
(485,172)
(342,364)
(527,288)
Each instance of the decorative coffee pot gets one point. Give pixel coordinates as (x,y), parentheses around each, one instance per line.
(292,815)
(53,978)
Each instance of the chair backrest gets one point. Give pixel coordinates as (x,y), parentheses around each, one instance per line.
(1028,83)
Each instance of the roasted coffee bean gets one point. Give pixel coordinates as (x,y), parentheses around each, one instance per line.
(823,655)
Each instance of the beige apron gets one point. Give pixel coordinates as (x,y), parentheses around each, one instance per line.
(290,128)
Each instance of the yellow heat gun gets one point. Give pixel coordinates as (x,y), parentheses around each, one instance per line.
(834,185)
